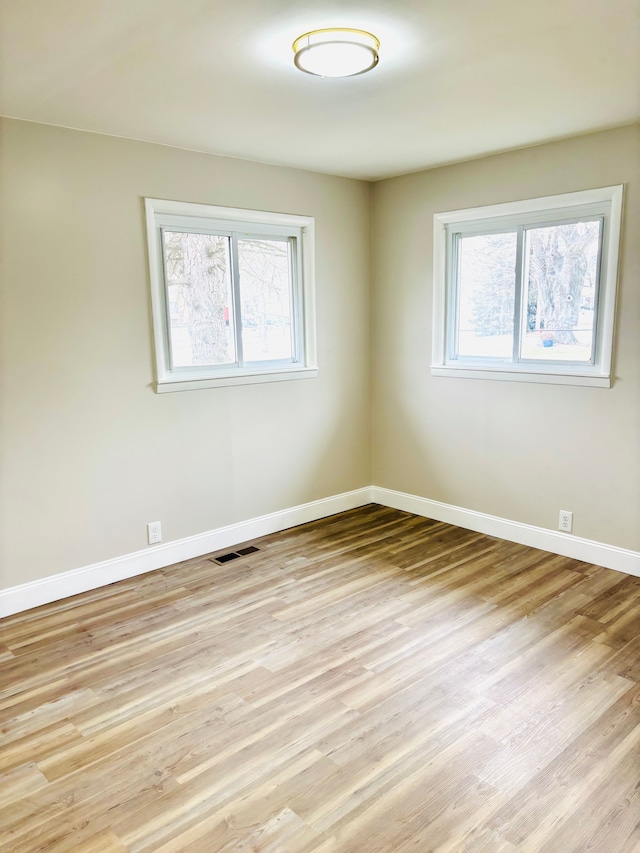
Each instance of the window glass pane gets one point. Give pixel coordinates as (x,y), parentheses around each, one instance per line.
(486,295)
(561,279)
(199,299)
(265,299)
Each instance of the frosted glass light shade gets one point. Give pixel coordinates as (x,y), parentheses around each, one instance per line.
(336,52)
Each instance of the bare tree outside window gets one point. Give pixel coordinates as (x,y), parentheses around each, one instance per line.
(199,293)
(486,294)
(265,298)
(561,290)
(201,300)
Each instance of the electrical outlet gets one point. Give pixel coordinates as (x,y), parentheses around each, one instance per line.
(566,521)
(154,532)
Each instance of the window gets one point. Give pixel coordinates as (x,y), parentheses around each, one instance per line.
(526,290)
(232,295)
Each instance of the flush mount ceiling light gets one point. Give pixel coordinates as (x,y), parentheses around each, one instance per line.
(336,52)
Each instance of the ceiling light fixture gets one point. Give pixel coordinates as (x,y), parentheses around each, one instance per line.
(336,52)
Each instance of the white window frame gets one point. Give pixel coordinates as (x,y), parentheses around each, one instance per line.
(604,203)
(206,218)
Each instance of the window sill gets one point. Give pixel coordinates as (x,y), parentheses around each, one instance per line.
(253,377)
(594,380)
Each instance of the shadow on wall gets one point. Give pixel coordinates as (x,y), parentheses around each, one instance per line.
(439,442)
(334,458)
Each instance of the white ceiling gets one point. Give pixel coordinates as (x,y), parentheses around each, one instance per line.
(457,78)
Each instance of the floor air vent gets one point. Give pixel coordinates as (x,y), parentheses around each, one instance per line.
(234,555)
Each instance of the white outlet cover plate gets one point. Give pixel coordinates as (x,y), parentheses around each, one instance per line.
(565,521)
(154,532)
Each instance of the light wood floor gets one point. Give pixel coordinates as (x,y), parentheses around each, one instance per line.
(371,682)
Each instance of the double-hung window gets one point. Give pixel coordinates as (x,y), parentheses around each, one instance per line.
(527,290)
(232,295)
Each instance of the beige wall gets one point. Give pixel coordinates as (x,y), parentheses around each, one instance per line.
(90,453)
(515,450)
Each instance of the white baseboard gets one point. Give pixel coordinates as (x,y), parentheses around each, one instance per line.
(33,594)
(564,544)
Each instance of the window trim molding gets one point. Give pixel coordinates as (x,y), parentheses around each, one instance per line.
(565,204)
(167,379)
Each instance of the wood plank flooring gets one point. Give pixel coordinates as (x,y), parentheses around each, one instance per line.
(371,682)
